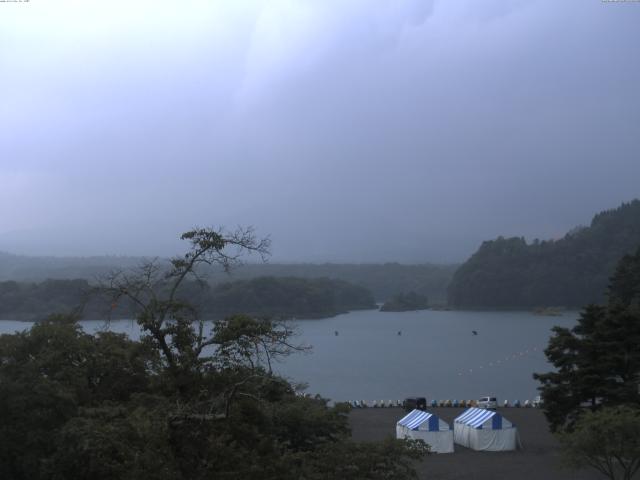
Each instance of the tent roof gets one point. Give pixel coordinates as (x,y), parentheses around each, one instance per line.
(416,418)
(476,417)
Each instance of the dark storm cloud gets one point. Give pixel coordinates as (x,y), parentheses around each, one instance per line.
(356,131)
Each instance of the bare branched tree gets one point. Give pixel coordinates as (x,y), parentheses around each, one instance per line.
(170,324)
(253,344)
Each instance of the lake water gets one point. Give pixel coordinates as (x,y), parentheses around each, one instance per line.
(436,355)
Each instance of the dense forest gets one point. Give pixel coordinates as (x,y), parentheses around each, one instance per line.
(266,296)
(78,406)
(35,301)
(383,280)
(571,272)
(184,402)
(288,297)
(405,302)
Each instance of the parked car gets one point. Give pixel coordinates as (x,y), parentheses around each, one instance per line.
(537,402)
(488,402)
(412,403)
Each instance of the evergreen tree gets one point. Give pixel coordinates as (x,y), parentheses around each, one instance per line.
(597,361)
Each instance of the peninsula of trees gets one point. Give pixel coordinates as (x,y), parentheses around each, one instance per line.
(264,297)
(287,297)
(570,272)
(405,302)
(382,279)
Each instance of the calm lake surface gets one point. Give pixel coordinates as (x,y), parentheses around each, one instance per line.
(436,355)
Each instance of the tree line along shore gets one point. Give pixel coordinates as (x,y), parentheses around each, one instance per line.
(507,273)
(272,297)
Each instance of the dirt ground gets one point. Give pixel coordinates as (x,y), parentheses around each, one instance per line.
(537,460)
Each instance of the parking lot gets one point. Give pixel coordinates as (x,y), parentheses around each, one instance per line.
(538,460)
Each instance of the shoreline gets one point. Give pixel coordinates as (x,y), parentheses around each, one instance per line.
(323,316)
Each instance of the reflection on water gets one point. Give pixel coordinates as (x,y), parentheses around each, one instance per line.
(386,355)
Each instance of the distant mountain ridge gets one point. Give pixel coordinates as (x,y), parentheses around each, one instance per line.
(35,269)
(571,272)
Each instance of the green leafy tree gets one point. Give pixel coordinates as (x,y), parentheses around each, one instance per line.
(360,461)
(114,442)
(182,403)
(48,374)
(607,440)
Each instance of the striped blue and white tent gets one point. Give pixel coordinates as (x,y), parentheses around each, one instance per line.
(421,425)
(481,429)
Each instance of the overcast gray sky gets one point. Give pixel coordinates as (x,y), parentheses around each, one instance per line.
(362,130)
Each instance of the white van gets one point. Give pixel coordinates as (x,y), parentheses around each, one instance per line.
(490,403)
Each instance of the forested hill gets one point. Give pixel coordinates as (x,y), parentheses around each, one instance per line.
(571,272)
(287,297)
(264,297)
